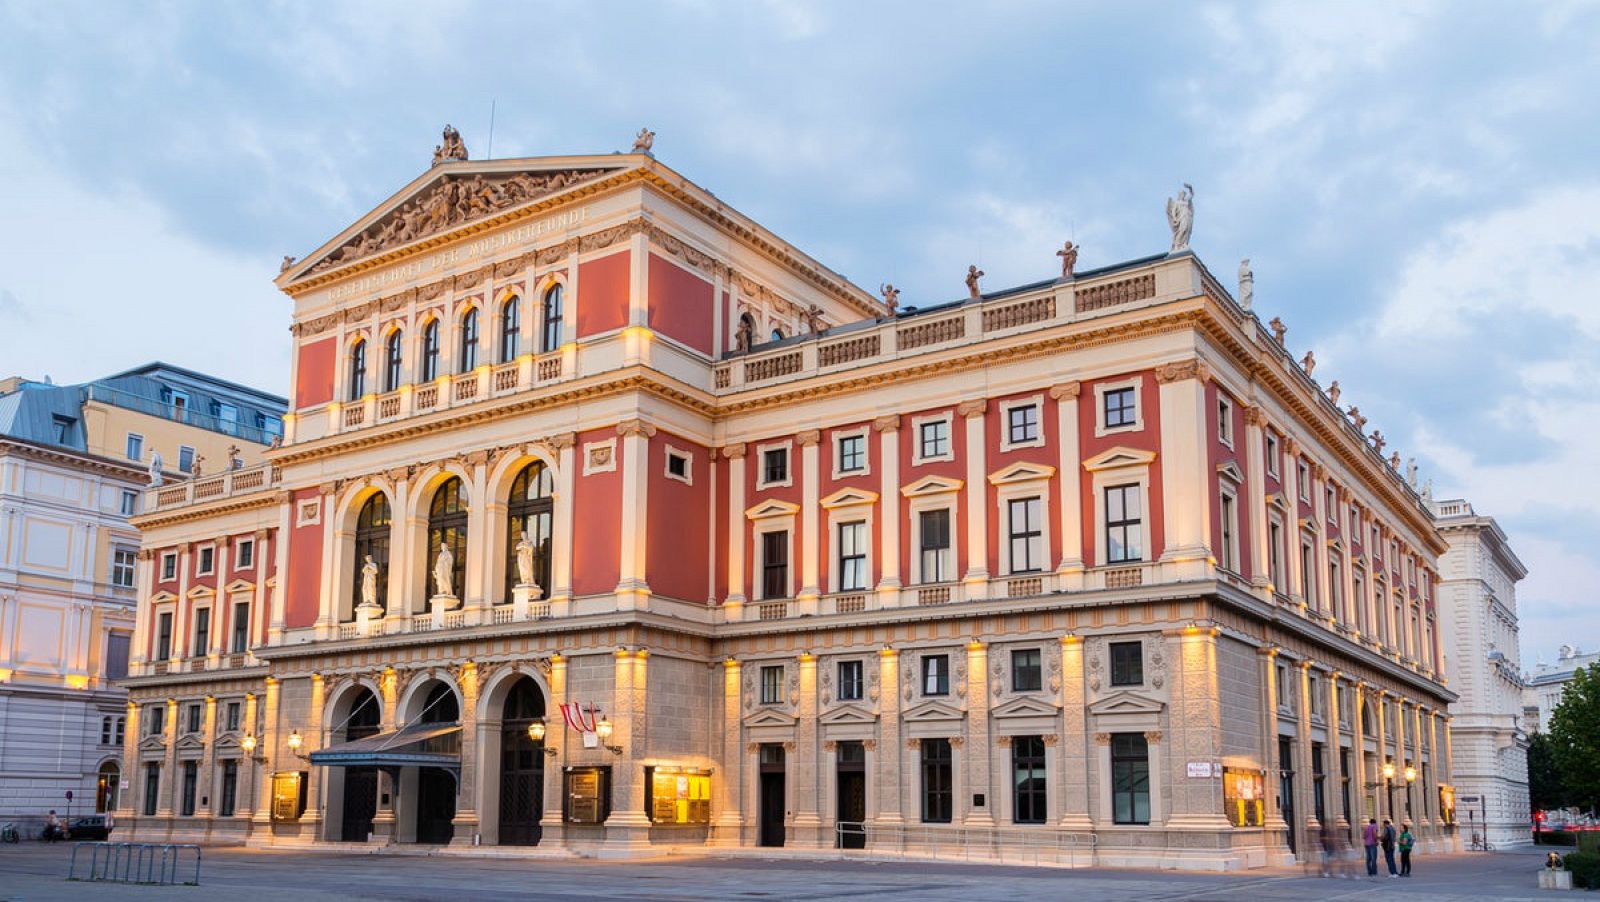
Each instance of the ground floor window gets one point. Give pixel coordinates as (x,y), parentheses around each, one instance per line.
(1028,780)
(191,779)
(230,788)
(1130,778)
(152,787)
(938,792)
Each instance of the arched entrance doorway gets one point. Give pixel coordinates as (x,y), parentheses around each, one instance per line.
(360,783)
(436,787)
(107,787)
(521,765)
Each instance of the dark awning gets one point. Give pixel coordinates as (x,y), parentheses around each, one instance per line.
(417,745)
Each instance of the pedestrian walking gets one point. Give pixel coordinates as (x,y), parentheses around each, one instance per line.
(1406,842)
(1387,840)
(1343,855)
(1369,839)
(1326,841)
(52,827)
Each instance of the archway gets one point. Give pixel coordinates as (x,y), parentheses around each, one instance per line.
(360,783)
(436,787)
(107,787)
(521,765)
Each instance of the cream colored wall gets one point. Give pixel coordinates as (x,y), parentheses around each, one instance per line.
(107,427)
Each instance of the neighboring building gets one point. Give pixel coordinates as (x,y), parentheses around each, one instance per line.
(1547,682)
(1477,600)
(1089,559)
(75,461)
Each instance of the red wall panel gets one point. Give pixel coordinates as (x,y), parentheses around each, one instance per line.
(313,379)
(677,520)
(597,521)
(680,304)
(303,590)
(603,293)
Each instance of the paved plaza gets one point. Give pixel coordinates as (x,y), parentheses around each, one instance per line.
(35,872)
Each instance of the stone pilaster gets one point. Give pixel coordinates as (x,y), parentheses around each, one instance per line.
(268,746)
(733,607)
(465,823)
(1073,755)
(807,823)
(627,826)
(1194,733)
(1255,479)
(174,781)
(888,429)
(811,544)
(976,578)
(729,820)
(132,768)
(551,827)
(315,738)
(977,750)
(1070,570)
(205,805)
(1335,766)
(249,767)
(1275,825)
(1305,786)
(1185,497)
(888,782)
(632,588)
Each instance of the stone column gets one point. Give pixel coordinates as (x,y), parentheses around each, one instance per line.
(733,606)
(384,822)
(976,579)
(808,790)
(888,782)
(208,761)
(633,591)
(174,782)
(561,540)
(1070,570)
(1185,497)
(132,767)
(1306,804)
(888,429)
(977,751)
(811,544)
(268,747)
(1073,756)
(1273,820)
(627,826)
(314,739)
(1195,734)
(551,828)
(1291,526)
(729,821)
(248,766)
(1335,765)
(1255,421)
(465,823)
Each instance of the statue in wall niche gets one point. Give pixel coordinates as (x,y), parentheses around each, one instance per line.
(1247,284)
(369,583)
(643,141)
(973,275)
(1069,259)
(891,296)
(1180,217)
(444,571)
(156,478)
(453,147)
(524,560)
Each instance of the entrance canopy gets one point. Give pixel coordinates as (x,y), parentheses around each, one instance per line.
(417,745)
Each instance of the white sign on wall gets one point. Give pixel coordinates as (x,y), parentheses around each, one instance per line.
(1200,770)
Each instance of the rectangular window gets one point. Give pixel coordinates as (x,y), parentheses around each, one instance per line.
(935,674)
(1121,408)
(135,446)
(105,730)
(1124,526)
(164,636)
(1127,663)
(938,786)
(1308,573)
(196,718)
(1224,421)
(933,439)
(245,554)
(1358,587)
(123,562)
(1028,780)
(207,561)
(202,631)
(775,465)
(241,628)
(130,503)
(850,681)
(678,465)
(191,782)
(1026,525)
(1335,591)
(232,719)
(185,458)
(934,538)
(1303,477)
(117,643)
(1272,455)
(1275,555)
(169,567)
(1319,778)
(1130,778)
(1330,505)
(852,556)
(1229,559)
(772,684)
(121,730)
(63,428)
(775,564)
(1285,691)
(156,715)
(852,453)
(152,787)
(1022,424)
(1026,673)
(230,788)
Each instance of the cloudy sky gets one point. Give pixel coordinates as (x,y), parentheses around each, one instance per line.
(1418,188)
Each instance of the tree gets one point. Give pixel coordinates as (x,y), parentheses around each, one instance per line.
(1575,738)
(1545,792)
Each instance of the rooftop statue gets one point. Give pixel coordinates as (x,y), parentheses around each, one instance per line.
(1069,259)
(1278,329)
(1308,362)
(643,141)
(1180,217)
(1247,284)
(156,478)
(973,275)
(1333,392)
(453,147)
(891,296)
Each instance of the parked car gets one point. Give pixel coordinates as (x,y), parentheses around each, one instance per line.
(93,826)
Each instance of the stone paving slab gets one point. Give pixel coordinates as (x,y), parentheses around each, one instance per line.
(33,871)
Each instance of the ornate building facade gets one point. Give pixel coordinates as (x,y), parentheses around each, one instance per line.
(607,518)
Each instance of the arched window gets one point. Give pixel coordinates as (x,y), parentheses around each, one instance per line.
(392,352)
(447,526)
(550,335)
(469,341)
(372,538)
(510,328)
(358,370)
(110,781)
(441,706)
(746,335)
(777,335)
(430,351)
(529,508)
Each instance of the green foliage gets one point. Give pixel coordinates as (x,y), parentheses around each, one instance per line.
(1575,738)
(1589,842)
(1585,868)
(1545,790)
(1558,838)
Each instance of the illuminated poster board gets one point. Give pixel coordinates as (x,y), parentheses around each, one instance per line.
(680,796)
(288,795)
(588,796)
(1244,796)
(1447,804)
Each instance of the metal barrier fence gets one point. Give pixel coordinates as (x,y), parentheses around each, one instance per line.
(988,844)
(135,862)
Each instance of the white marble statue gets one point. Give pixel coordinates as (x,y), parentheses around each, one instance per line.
(155,468)
(1411,472)
(444,567)
(1247,284)
(1180,216)
(369,583)
(525,560)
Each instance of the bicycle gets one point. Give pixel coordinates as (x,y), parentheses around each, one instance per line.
(9,833)
(1480,843)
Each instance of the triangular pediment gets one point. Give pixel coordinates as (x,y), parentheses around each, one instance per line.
(201,592)
(1230,470)
(933,711)
(152,742)
(849,497)
(191,741)
(1126,703)
(1025,707)
(770,717)
(772,507)
(931,485)
(228,741)
(849,714)
(239,585)
(1120,456)
(1022,471)
(450,195)
(163,597)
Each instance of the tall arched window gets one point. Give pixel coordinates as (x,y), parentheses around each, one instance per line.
(392,353)
(529,508)
(358,370)
(430,351)
(447,525)
(469,341)
(550,335)
(510,328)
(372,538)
